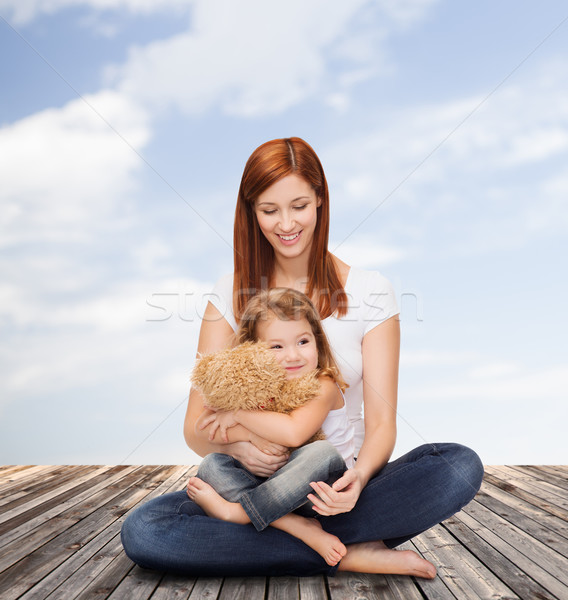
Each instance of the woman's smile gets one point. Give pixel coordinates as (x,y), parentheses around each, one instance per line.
(291,239)
(287,215)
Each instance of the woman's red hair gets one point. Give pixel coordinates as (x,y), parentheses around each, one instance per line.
(254,256)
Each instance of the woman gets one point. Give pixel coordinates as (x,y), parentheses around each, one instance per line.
(280,240)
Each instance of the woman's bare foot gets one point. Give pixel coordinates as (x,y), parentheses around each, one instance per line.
(214,504)
(375,557)
(325,544)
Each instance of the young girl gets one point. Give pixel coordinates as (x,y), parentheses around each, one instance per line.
(287,320)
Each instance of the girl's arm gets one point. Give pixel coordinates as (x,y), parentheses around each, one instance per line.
(238,433)
(290,430)
(216,334)
(381,348)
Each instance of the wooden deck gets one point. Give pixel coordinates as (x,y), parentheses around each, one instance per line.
(59,539)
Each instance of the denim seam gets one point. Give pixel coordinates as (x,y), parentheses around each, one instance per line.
(252,513)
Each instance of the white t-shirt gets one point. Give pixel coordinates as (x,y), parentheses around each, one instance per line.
(339,432)
(371,301)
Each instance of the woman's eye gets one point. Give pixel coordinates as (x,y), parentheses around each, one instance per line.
(300,207)
(269,212)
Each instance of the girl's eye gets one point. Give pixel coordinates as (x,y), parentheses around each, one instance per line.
(275,347)
(304,341)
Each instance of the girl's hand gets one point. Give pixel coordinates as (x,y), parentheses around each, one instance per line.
(257,462)
(219,420)
(268,447)
(339,498)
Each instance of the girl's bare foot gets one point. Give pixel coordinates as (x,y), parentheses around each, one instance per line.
(375,557)
(325,544)
(214,504)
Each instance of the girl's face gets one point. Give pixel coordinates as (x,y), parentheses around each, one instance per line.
(287,216)
(293,342)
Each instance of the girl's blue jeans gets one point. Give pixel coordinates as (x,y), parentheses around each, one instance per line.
(409,495)
(265,500)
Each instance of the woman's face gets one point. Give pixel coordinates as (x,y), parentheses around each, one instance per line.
(293,343)
(287,216)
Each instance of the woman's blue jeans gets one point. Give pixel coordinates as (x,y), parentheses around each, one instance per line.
(265,500)
(409,495)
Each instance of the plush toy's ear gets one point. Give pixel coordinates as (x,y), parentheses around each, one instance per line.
(201,369)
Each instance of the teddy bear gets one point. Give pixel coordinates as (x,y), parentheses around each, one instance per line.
(249,377)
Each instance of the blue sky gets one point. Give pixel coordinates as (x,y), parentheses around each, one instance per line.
(124,128)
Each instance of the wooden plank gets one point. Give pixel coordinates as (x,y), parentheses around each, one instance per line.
(359,586)
(28,543)
(174,587)
(110,477)
(283,588)
(36,565)
(206,588)
(541,489)
(313,588)
(103,585)
(38,486)
(18,479)
(537,551)
(528,496)
(543,474)
(520,549)
(554,523)
(56,492)
(6,470)
(243,588)
(403,588)
(63,583)
(507,570)
(536,529)
(139,584)
(86,564)
(464,575)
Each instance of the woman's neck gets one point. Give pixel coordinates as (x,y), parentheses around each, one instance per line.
(291,273)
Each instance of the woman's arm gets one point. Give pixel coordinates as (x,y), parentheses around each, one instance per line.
(215,334)
(381,352)
(381,349)
(295,428)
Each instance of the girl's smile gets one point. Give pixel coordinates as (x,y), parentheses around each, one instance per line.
(293,342)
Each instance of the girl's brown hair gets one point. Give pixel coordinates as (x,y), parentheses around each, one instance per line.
(254,256)
(286,305)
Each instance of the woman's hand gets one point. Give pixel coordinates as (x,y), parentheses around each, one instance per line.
(257,462)
(339,498)
(268,447)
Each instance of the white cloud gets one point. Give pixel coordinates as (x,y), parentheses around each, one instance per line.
(279,55)
(366,253)
(502,383)
(89,340)
(65,169)
(428,358)
(272,60)
(495,175)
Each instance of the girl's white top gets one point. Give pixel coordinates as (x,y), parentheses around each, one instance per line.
(371,301)
(340,433)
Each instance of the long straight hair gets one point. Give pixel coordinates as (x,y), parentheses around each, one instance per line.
(286,304)
(253,254)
